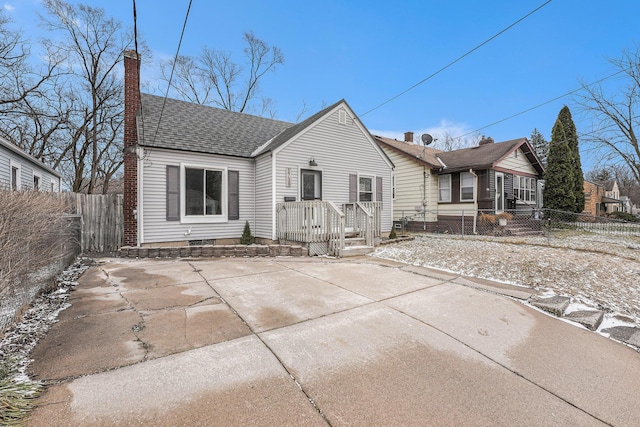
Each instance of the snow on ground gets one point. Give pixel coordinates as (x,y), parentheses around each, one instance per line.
(596,271)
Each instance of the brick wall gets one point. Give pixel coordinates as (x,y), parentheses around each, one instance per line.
(131,105)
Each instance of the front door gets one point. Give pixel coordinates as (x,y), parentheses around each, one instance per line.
(311,185)
(499,192)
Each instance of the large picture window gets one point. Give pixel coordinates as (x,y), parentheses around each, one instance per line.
(467,184)
(203,191)
(524,188)
(444,188)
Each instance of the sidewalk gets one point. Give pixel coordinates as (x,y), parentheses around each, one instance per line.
(309,341)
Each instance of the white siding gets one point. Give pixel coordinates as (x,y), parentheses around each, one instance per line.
(518,163)
(27,168)
(339,150)
(155,227)
(264,208)
(410,181)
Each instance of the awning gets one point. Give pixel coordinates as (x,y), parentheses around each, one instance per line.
(610,200)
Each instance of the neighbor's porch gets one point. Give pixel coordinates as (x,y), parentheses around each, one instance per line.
(328,229)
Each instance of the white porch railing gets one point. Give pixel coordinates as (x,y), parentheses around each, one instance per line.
(311,222)
(364,219)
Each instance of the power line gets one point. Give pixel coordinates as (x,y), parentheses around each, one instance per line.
(459,58)
(173,67)
(541,104)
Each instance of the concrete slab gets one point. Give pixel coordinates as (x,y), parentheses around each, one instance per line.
(375,366)
(137,274)
(579,366)
(221,268)
(86,345)
(273,300)
(172,331)
(171,296)
(626,334)
(373,281)
(590,319)
(519,292)
(233,383)
(430,272)
(555,305)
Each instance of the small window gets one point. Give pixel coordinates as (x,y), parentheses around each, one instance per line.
(467,184)
(342,117)
(444,188)
(36,182)
(365,193)
(15,177)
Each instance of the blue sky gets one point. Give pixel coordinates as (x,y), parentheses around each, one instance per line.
(369,51)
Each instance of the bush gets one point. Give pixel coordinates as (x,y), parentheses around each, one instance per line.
(392,234)
(624,216)
(34,233)
(247,238)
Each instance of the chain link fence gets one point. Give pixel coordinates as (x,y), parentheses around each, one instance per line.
(513,223)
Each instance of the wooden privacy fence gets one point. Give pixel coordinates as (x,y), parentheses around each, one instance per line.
(101,225)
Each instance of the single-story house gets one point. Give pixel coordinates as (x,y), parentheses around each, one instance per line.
(197,174)
(435,189)
(21,171)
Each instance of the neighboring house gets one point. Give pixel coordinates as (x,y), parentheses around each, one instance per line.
(200,173)
(611,197)
(441,187)
(21,171)
(594,194)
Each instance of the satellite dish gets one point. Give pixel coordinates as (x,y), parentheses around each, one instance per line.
(426,139)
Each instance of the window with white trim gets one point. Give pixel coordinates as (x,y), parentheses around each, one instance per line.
(444,188)
(36,181)
(467,187)
(365,189)
(524,188)
(15,176)
(204,194)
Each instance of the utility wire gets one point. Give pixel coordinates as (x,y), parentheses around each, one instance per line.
(541,105)
(458,59)
(175,59)
(135,42)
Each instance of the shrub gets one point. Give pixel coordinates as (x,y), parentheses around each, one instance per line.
(392,234)
(247,238)
(624,216)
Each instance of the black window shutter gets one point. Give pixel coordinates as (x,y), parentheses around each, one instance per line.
(353,188)
(378,188)
(234,195)
(173,193)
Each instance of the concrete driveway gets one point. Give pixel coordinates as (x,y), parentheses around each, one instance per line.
(308,341)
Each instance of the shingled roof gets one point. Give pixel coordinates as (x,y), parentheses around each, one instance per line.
(487,156)
(203,129)
(416,152)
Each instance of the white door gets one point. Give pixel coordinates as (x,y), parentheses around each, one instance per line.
(499,192)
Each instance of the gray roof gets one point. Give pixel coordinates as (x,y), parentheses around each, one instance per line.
(200,128)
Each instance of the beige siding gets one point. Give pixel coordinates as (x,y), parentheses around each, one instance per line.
(339,150)
(410,181)
(155,227)
(518,163)
(264,209)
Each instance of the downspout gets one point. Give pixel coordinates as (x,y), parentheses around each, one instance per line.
(140,180)
(475,197)
(424,198)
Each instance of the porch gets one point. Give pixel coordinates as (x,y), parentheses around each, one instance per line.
(328,229)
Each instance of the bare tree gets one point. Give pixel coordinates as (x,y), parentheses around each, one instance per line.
(92,44)
(18,79)
(613,111)
(213,78)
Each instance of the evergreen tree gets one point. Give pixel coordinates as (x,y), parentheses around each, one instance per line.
(247,238)
(559,184)
(540,145)
(576,166)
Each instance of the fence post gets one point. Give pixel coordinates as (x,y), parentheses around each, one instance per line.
(463,224)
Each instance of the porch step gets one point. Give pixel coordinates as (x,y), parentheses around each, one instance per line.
(357,250)
(356,246)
